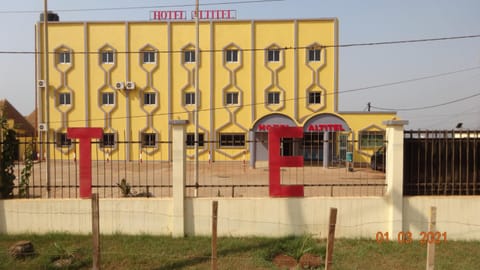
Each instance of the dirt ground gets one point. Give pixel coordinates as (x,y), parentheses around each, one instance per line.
(218,179)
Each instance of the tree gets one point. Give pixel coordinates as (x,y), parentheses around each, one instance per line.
(8,144)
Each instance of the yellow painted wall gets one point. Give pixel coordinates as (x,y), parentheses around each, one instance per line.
(170,78)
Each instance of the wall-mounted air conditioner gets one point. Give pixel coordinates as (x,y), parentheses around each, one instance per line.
(130,85)
(42,127)
(41,83)
(119,86)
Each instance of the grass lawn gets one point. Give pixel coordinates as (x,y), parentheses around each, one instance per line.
(161,252)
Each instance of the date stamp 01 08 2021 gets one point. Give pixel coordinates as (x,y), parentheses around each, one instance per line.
(407,237)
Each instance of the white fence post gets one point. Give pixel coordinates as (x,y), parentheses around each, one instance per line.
(394,174)
(179,176)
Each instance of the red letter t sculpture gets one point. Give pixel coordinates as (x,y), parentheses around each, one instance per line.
(85,135)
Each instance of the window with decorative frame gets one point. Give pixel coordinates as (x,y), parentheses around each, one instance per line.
(273,55)
(231,98)
(232,140)
(314,54)
(149,98)
(149,140)
(189,98)
(314,97)
(149,57)
(371,139)
(273,98)
(64,99)
(64,57)
(189,56)
(191,140)
(108,99)
(231,56)
(108,140)
(63,140)
(108,57)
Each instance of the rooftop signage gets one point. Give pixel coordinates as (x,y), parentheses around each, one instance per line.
(181,15)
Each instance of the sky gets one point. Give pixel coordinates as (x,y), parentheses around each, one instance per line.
(433,85)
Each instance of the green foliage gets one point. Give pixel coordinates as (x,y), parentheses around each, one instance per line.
(295,246)
(9,145)
(26,173)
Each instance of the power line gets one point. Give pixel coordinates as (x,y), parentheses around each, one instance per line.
(140,7)
(427,107)
(286,48)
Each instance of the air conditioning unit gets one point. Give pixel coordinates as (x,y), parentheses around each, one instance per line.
(41,83)
(130,85)
(42,127)
(119,86)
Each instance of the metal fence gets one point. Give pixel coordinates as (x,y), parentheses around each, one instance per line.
(442,163)
(218,175)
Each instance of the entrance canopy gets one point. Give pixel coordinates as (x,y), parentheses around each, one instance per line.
(325,122)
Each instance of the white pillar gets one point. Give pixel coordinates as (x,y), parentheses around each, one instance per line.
(394,174)
(179,176)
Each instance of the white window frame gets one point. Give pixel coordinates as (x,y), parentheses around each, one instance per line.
(108,57)
(313,96)
(273,55)
(190,140)
(149,57)
(64,57)
(64,99)
(232,140)
(314,55)
(189,56)
(190,98)
(149,98)
(273,98)
(231,56)
(108,99)
(231,98)
(147,141)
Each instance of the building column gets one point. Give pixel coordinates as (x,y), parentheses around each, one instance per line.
(179,176)
(394,174)
(253,148)
(326,149)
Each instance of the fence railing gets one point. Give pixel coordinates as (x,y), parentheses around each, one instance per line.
(442,162)
(219,175)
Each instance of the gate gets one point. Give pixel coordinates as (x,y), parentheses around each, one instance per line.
(441,163)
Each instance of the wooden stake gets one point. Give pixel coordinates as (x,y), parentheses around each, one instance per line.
(96,232)
(330,239)
(431,238)
(214,234)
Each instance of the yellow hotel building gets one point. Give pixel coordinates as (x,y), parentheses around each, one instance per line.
(132,78)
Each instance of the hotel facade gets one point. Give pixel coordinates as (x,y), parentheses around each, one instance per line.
(132,78)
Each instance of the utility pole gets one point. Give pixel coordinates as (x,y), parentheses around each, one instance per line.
(47,88)
(197,57)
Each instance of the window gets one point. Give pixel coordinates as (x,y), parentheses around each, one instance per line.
(371,139)
(149,99)
(64,57)
(191,139)
(108,99)
(63,140)
(189,98)
(313,55)
(149,139)
(232,140)
(273,98)
(231,56)
(107,57)
(189,56)
(231,98)
(273,55)
(64,99)
(149,57)
(314,97)
(108,140)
